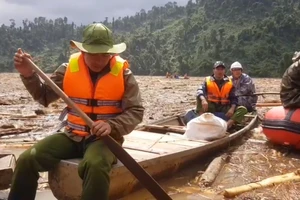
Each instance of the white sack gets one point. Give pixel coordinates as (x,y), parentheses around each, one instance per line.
(206,127)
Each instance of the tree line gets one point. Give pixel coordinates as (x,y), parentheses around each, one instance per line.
(262,35)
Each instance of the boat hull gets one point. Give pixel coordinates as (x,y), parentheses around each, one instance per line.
(166,156)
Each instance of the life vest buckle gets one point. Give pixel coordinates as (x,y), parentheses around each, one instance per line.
(93,116)
(92,102)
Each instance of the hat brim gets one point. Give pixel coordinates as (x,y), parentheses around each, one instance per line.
(219,66)
(93,48)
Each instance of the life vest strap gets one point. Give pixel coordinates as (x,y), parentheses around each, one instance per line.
(72,126)
(95,102)
(93,116)
(78,127)
(215,99)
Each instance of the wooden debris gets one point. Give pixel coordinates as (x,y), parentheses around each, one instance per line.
(25,115)
(7,165)
(17,140)
(21,146)
(212,171)
(7,126)
(5,103)
(268,104)
(19,116)
(5,114)
(175,129)
(257,141)
(12,131)
(250,116)
(260,93)
(39,112)
(232,192)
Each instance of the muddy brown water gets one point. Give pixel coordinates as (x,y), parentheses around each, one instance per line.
(249,161)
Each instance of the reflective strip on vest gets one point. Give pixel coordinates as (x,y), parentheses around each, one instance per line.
(78,127)
(67,110)
(90,102)
(215,99)
(74,65)
(118,66)
(215,95)
(97,116)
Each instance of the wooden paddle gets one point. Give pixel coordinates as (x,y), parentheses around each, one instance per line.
(149,183)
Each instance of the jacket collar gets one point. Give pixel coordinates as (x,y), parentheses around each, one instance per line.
(225,78)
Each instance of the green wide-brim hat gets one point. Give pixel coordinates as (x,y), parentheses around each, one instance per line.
(97,38)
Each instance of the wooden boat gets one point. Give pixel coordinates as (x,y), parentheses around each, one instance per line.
(158,151)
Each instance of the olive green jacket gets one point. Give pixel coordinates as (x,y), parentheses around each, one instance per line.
(290,84)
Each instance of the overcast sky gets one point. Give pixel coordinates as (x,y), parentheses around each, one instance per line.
(84,12)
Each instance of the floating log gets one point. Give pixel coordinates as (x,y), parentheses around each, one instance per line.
(14,131)
(260,93)
(5,126)
(232,192)
(268,104)
(175,129)
(5,103)
(16,145)
(250,116)
(25,115)
(212,171)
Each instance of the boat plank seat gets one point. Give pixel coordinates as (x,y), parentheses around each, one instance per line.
(136,154)
(143,145)
(144,135)
(182,141)
(155,136)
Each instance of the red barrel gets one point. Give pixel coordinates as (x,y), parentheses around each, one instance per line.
(282,126)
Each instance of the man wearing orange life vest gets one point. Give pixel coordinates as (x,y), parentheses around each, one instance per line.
(100,83)
(217,95)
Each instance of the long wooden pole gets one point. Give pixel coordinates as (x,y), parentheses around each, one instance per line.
(149,183)
(268,104)
(260,93)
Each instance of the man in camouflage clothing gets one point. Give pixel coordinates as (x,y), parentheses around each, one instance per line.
(209,100)
(244,87)
(290,84)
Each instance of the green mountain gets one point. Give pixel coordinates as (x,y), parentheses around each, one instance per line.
(261,34)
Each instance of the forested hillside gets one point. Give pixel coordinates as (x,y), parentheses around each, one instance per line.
(261,34)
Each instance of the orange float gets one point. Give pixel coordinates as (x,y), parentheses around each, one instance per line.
(282,126)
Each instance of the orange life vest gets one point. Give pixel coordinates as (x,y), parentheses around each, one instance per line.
(214,94)
(101,101)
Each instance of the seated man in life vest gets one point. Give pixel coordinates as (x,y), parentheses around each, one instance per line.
(101,84)
(217,95)
(244,87)
(290,84)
